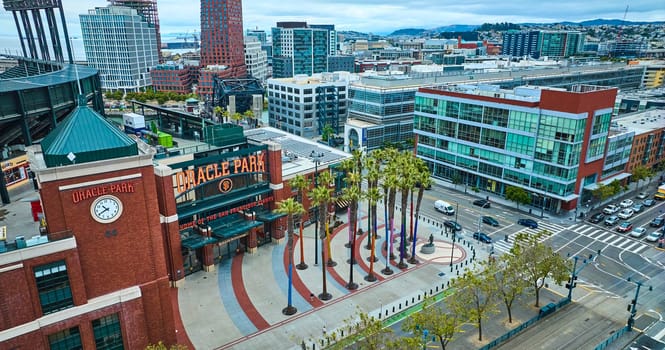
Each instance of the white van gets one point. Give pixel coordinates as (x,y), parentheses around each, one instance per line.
(444,207)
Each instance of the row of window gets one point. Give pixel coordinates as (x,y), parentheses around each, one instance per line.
(107,332)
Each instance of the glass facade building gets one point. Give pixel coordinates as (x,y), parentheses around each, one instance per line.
(299,51)
(121,45)
(489,138)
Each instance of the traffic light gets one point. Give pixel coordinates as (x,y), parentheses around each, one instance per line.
(571,282)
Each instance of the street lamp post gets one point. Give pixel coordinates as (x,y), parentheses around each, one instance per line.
(316,156)
(632,307)
(425,334)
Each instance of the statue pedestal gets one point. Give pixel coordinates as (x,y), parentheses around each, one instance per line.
(427,249)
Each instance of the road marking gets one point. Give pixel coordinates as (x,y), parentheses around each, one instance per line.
(628,241)
(603,233)
(632,245)
(594,233)
(640,249)
(586,229)
(608,238)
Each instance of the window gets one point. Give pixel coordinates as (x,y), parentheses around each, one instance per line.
(53,287)
(108,335)
(68,339)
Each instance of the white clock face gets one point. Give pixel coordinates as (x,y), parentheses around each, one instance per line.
(106,209)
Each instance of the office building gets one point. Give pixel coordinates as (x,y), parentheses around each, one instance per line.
(549,141)
(298,49)
(304,105)
(536,44)
(148,10)
(121,45)
(259,34)
(648,148)
(256,59)
(172,77)
(380,112)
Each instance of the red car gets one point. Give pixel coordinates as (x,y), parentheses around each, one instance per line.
(625,227)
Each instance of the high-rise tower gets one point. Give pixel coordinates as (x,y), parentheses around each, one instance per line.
(148,10)
(222,35)
(222,46)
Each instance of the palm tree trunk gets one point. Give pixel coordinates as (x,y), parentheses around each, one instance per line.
(402,235)
(354,209)
(387,270)
(411,216)
(323,233)
(301,265)
(372,239)
(290,309)
(413,259)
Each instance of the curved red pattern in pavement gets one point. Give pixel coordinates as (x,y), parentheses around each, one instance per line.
(362,262)
(331,270)
(298,284)
(242,296)
(181,334)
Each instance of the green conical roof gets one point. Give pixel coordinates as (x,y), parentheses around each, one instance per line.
(87,135)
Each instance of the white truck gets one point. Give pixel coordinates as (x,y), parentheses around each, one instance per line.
(444,207)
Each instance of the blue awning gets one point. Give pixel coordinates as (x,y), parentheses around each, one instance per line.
(196,241)
(224,234)
(268,216)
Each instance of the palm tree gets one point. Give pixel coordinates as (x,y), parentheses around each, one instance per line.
(300,183)
(249,115)
(373,195)
(372,176)
(217,111)
(326,179)
(320,195)
(225,115)
(347,165)
(237,117)
(425,181)
(405,184)
(352,194)
(290,207)
(390,189)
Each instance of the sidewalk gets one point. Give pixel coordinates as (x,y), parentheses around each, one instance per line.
(239,306)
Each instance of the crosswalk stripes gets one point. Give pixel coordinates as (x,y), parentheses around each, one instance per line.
(551,229)
(609,238)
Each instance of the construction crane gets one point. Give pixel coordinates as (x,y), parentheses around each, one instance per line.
(623,22)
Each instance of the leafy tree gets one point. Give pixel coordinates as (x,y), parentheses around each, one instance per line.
(436,321)
(517,195)
(217,111)
(538,262)
(615,186)
(475,297)
(457,179)
(366,332)
(327,132)
(108,95)
(641,172)
(162,346)
(509,280)
(117,95)
(237,117)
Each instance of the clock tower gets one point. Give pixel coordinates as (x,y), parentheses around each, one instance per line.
(98,185)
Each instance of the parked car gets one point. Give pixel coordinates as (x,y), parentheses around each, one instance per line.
(637,207)
(625,226)
(453,225)
(642,195)
(611,220)
(648,202)
(626,214)
(596,218)
(657,222)
(626,203)
(490,221)
(528,223)
(638,232)
(482,203)
(654,236)
(611,209)
(482,237)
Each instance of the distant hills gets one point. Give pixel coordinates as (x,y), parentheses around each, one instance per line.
(471,27)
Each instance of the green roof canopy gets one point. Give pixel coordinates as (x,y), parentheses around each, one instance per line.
(88,136)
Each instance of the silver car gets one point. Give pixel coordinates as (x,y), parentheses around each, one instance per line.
(638,232)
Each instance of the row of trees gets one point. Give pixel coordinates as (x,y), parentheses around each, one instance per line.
(388,173)
(236,117)
(148,95)
(477,295)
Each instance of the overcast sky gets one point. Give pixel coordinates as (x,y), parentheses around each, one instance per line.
(380,16)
